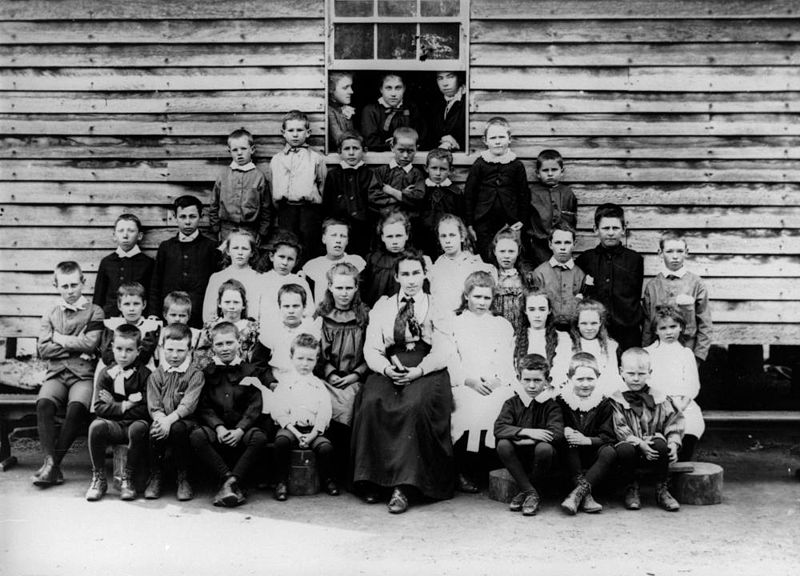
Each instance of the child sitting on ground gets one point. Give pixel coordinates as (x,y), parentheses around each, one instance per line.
(560,277)
(528,426)
(173,391)
(675,374)
(347,190)
(68,338)
(131,303)
(125,264)
(335,238)
(648,428)
(552,204)
(298,176)
(676,286)
(496,192)
(588,433)
(301,407)
(241,197)
(228,411)
(122,416)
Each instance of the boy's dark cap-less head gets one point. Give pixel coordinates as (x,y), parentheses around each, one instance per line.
(439,154)
(549,154)
(178,332)
(129,332)
(609,210)
(533,362)
(186,201)
(350,135)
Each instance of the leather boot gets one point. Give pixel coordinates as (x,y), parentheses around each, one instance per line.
(185,491)
(49,475)
(590,505)
(98,487)
(632,499)
(227,496)
(153,490)
(665,499)
(573,501)
(531,504)
(126,489)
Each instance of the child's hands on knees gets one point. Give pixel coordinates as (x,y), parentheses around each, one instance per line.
(538,434)
(673,452)
(575,438)
(158,429)
(649,452)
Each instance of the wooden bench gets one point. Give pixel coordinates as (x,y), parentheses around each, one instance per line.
(750,417)
(13,408)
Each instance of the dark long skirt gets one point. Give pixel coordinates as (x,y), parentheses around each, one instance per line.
(401,434)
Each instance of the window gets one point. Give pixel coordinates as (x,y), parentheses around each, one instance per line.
(415,39)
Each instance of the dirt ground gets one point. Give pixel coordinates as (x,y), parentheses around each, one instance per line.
(756,530)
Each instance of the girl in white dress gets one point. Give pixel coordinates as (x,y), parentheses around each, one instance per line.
(539,334)
(675,374)
(481,370)
(240,253)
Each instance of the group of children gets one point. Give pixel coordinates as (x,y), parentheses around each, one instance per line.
(239,349)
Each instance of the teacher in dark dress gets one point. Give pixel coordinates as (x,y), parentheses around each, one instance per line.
(401,429)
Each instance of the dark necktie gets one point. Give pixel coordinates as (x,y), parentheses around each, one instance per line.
(639,399)
(405,319)
(391,112)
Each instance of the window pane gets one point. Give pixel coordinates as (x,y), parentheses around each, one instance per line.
(354,7)
(397,41)
(439,41)
(354,42)
(397,7)
(440,7)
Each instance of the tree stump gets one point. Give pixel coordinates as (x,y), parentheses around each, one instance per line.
(700,487)
(502,486)
(303,476)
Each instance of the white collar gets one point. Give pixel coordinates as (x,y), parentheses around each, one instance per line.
(507,273)
(116,370)
(393,164)
(191,238)
(506,158)
(680,272)
(541,398)
(182,368)
(130,254)
(80,304)
(383,103)
(235,362)
(287,149)
(346,166)
(415,298)
(446,183)
(455,97)
(242,168)
(569,264)
(575,402)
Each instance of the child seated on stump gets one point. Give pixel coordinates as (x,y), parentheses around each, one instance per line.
(528,426)
(649,429)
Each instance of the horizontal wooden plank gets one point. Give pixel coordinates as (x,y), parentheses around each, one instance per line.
(86,216)
(537,125)
(142,193)
(188,31)
(657,79)
(78,237)
(144,55)
(637,54)
(625,9)
(221,102)
(750,241)
(750,416)
(217,125)
(668,193)
(736,333)
(651,31)
(493,101)
(667,217)
(722,266)
(163,79)
(158,10)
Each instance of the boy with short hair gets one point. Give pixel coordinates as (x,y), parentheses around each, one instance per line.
(229,408)
(400,183)
(552,202)
(131,303)
(530,423)
(560,277)
(186,261)
(614,276)
(336,239)
(126,264)
(177,310)
(301,406)
(122,416)
(68,337)
(347,189)
(442,197)
(298,178)
(173,391)
(649,430)
(674,285)
(241,197)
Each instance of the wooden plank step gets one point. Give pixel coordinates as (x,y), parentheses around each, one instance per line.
(761,416)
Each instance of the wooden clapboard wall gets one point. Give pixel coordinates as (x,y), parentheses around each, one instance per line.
(684,112)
